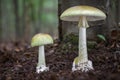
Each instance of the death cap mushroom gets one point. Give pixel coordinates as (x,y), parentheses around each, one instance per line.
(82,14)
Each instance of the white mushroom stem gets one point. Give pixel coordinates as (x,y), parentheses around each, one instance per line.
(41,56)
(82,45)
(81,62)
(41,61)
(83,24)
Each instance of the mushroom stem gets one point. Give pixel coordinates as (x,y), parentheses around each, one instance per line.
(82,45)
(41,56)
(41,61)
(81,62)
(83,24)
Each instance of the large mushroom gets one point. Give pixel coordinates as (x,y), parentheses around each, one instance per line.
(41,40)
(82,14)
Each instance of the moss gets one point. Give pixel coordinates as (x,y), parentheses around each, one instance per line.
(72,38)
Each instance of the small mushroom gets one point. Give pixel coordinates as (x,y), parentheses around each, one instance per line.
(82,14)
(41,40)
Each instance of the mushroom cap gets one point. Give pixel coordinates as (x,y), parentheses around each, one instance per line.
(41,39)
(74,13)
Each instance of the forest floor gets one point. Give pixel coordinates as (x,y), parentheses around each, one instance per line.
(18,62)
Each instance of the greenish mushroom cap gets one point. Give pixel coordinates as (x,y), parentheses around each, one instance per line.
(74,13)
(41,39)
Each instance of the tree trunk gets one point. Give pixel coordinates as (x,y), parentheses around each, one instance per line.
(117,11)
(5,20)
(27,20)
(40,11)
(0,21)
(17,20)
(60,32)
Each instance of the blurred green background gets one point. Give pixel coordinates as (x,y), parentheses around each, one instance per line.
(21,19)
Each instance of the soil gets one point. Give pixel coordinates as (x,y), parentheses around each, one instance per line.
(18,62)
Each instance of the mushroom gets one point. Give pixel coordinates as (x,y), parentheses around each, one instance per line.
(82,14)
(41,40)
